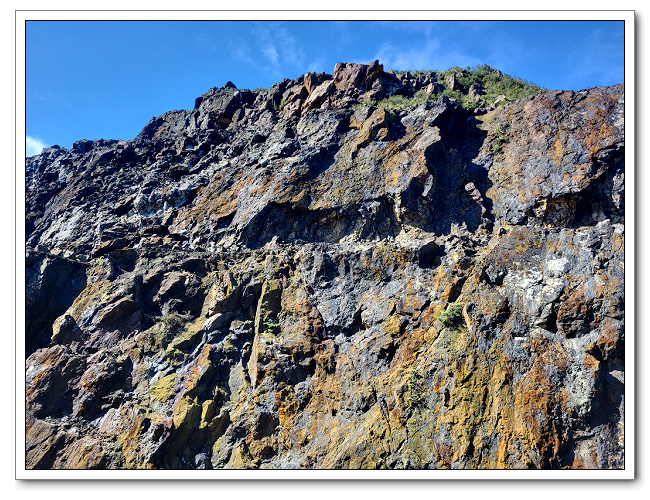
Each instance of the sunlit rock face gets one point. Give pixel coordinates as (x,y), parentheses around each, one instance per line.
(304,277)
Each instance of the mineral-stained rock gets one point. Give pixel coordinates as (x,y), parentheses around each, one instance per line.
(298,278)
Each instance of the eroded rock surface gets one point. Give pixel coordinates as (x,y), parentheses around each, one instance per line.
(293,279)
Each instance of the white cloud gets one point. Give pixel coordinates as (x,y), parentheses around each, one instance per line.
(271,53)
(33,145)
(428,56)
(203,38)
(278,47)
(240,51)
(424,27)
(316,66)
(270,48)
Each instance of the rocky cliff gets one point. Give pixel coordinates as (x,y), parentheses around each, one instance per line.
(344,271)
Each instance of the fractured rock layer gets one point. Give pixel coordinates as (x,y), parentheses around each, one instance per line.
(293,279)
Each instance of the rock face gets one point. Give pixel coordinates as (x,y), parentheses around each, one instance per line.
(293,279)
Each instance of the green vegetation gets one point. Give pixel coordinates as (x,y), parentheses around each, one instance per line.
(281,105)
(271,325)
(399,102)
(451,314)
(365,104)
(414,397)
(175,323)
(500,137)
(493,83)
(463,99)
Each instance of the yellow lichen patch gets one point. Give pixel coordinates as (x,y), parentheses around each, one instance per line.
(261,449)
(403,257)
(393,326)
(287,406)
(188,335)
(371,128)
(187,414)
(163,388)
(240,459)
(591,363)
(478,405)
(207,413)
(213,200)
(618,243)
(599,133)
(348,446)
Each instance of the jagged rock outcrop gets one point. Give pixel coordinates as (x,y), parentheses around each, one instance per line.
(292,278)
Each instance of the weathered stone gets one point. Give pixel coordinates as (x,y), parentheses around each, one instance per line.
(452,82)
(352,77)
(475,91)
(318,96)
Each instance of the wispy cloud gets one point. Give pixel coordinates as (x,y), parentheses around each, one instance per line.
(427,28)
(240,51)
(203,38)
(33,145)
(279,48)
(316,66)
(427,56)
(47,97)
(56,98)
(271,54)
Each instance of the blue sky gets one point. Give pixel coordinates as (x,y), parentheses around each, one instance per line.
(106,79)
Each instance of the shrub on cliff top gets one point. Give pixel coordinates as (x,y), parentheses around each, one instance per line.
(400,102)
(493,82)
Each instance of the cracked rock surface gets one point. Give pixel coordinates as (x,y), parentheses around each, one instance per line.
(289,278)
